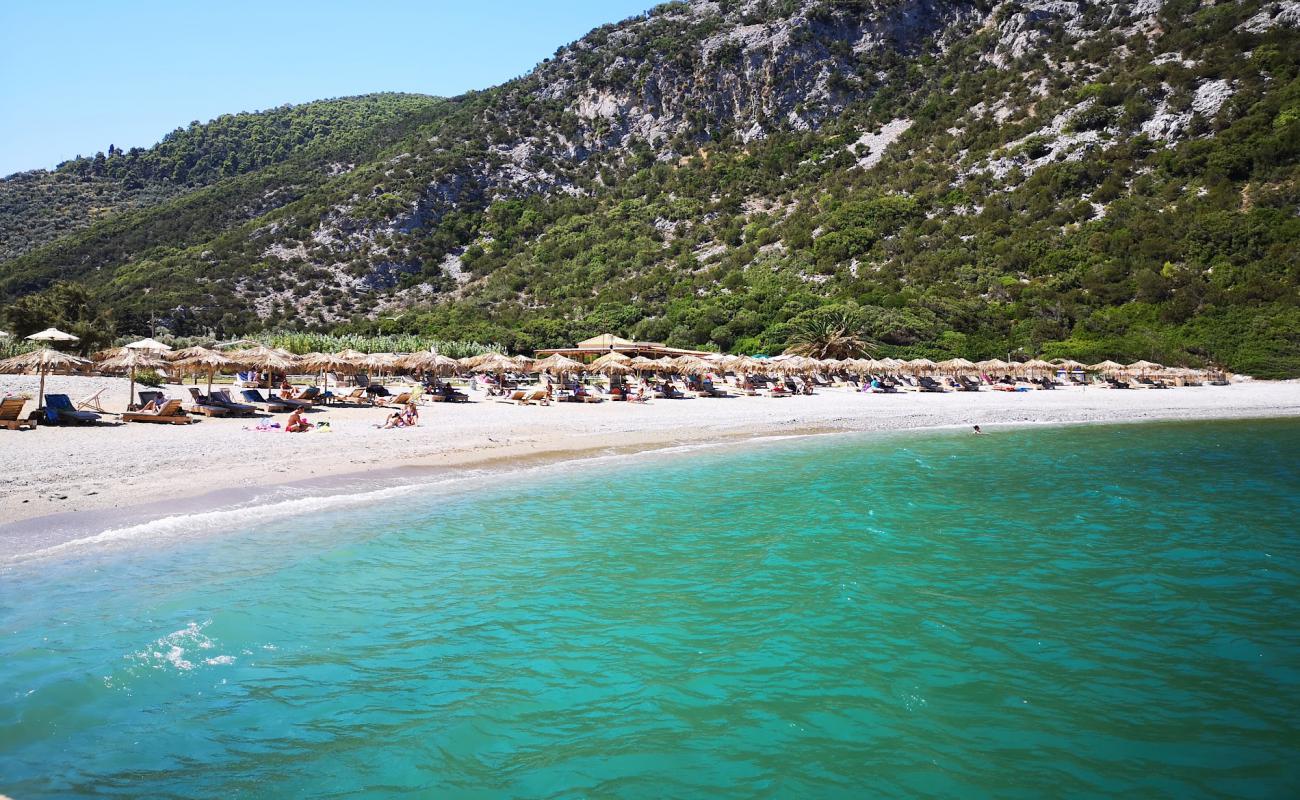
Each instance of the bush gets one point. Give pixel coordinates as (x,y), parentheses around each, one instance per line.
(151,378)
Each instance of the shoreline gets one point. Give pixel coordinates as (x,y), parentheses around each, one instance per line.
(96,478)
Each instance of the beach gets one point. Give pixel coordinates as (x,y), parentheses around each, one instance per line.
(119,466)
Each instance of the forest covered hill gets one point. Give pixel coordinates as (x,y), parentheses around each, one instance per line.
(954,178)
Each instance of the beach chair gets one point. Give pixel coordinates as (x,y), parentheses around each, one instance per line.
(202,406)
(148,396)
(394,400)
(169,413)
(222,398)
(357,396)
(91,402)
(59,410)
(11,415)
(275,404)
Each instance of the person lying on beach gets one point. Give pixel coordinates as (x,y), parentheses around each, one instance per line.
(395,420)
(296,423)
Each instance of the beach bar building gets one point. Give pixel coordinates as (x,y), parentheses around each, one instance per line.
(597,346)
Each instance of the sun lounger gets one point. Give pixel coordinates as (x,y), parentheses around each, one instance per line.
(148,396)
(222,398)
(202,406)
(59,410)
(11,414)
(275,404)
(357,396)
(398,400)
(446,394)
(169,413)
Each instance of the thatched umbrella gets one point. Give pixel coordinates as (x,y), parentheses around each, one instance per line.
(1144,367)
(201,358)
(1068,364)
(1036,365)
(1106,367)
(493,363)
(956,365)
(611,364)
(472,362)
(642,364)
(426,361)
(378,362)
(918,365)
(41,360)
(128,360)
(268,358)
(691,365)
(329,362)
(558,364)
(992,365)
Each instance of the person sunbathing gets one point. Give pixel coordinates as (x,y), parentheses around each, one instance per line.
(296,423)
(395,420)
(411,416)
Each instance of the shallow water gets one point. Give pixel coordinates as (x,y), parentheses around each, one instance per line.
(1076,611)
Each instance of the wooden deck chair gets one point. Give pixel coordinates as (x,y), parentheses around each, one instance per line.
(91,402)
(11,415)
(169,413)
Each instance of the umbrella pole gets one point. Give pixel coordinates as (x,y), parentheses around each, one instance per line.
(130,392)
(212,373)
(40,399)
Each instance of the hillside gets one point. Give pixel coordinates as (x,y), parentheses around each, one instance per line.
(40,206)
(1065,178)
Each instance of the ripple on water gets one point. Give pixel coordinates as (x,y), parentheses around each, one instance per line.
(1079,611)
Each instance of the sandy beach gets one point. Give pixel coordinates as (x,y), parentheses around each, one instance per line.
(121,465)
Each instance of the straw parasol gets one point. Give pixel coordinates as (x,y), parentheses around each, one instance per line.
(41,360)
(993,365)
(201,358)
(492,363)
(128,359)
(918,365)
(611,363)
(328,362)
(1036,365)
(641,364)
(558,364)
(955,365)
(268,358)
(472,362)
(1068,364)
(1144,367)
(426,361)
(691,365)
(1105,367)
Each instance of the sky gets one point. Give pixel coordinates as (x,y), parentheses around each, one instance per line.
(79,75)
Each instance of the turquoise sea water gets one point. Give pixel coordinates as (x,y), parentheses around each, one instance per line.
(1064,612)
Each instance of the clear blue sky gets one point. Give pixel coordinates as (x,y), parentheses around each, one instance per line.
(78,75)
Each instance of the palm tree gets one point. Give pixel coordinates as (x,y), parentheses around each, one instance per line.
(828,333)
